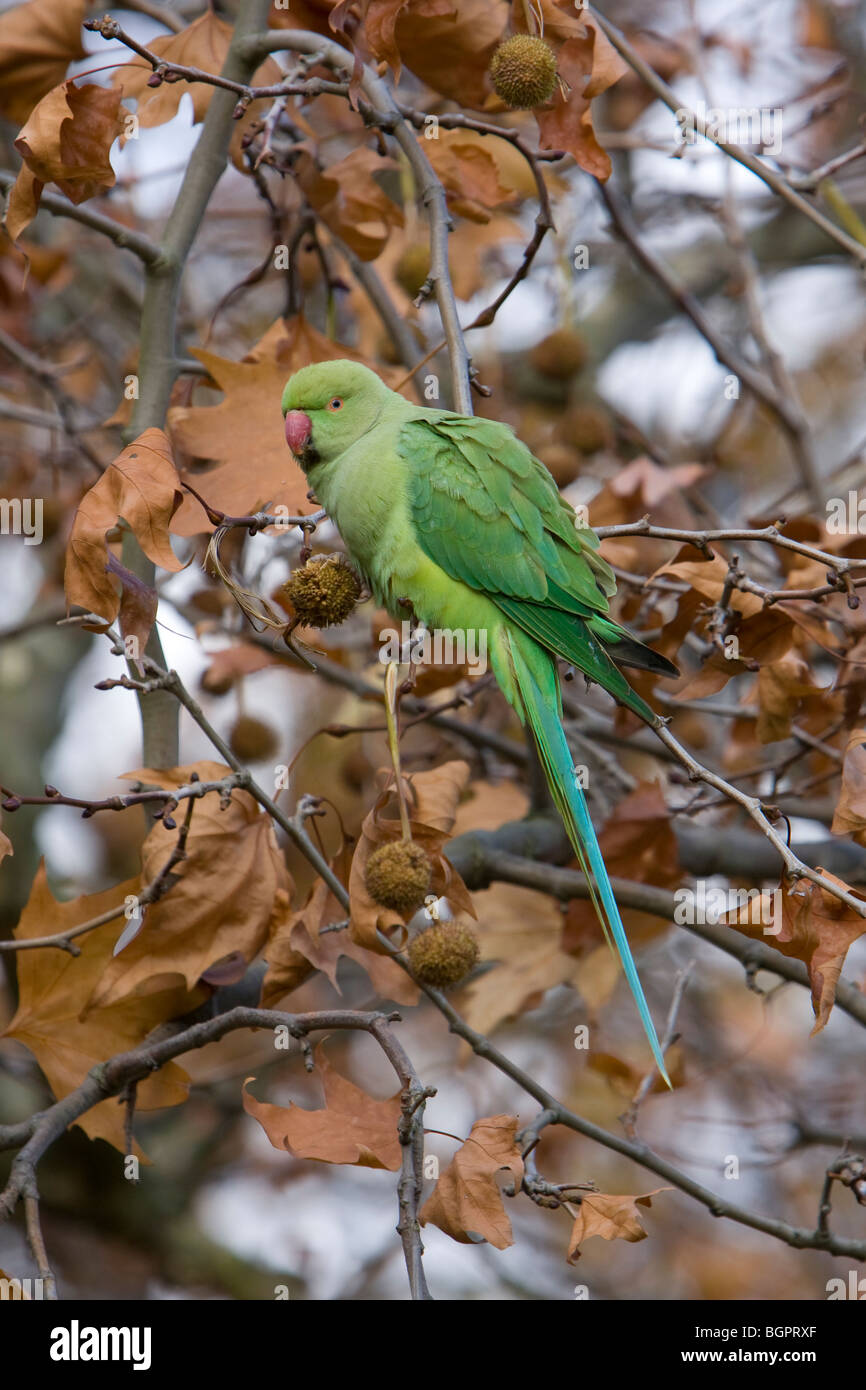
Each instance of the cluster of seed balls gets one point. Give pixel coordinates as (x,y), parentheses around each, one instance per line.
(399,876)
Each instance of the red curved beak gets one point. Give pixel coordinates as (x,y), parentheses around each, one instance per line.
(299,427)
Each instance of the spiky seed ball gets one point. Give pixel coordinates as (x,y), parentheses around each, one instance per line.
(523,72)
(398,875)
(324,590)
(442,955)
(586,427)
(250,739)
(560,355)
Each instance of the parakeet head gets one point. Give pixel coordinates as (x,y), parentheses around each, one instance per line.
(328,407)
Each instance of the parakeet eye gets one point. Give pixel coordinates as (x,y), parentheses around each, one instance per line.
(335,404)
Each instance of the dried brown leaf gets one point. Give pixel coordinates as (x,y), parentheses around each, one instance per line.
(38,41)
(352,1128)
(466,1202)
(298,947)
(611,1217)
(849,817)
(66,141)
(229,890)
(54,988)
(348,199)
(815,928)
(142,487)
(243,436)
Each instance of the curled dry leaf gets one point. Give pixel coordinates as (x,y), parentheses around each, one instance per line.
(643,485)
(137,614)
(466,1202)
(352,1128)
(433,798)
(467,170)
(588,65)
(611,1217)
(349,201)
(781,687)
(54,988)
(379,22)
(227,891)
(38,41)
(849,817)
(708,577)
(142,487)
(298,947)
(567,125)
(66,141)
(811,925)
(450,49)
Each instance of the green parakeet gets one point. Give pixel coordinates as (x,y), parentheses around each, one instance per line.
(454,517)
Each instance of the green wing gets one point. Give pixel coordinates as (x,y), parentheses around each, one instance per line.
(490,514)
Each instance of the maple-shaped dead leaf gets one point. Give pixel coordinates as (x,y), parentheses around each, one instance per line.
(433,798)
(243,436)
(202,44)
(611,1217)
(808,924)
(299,945)
(66,141)
(849,817)
(353,1127)
(466,1202)
(349,201)
(142,487)
(468,172)
(53,991)
(38,41)
(228,891)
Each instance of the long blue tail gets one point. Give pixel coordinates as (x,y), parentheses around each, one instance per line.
(542,713)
